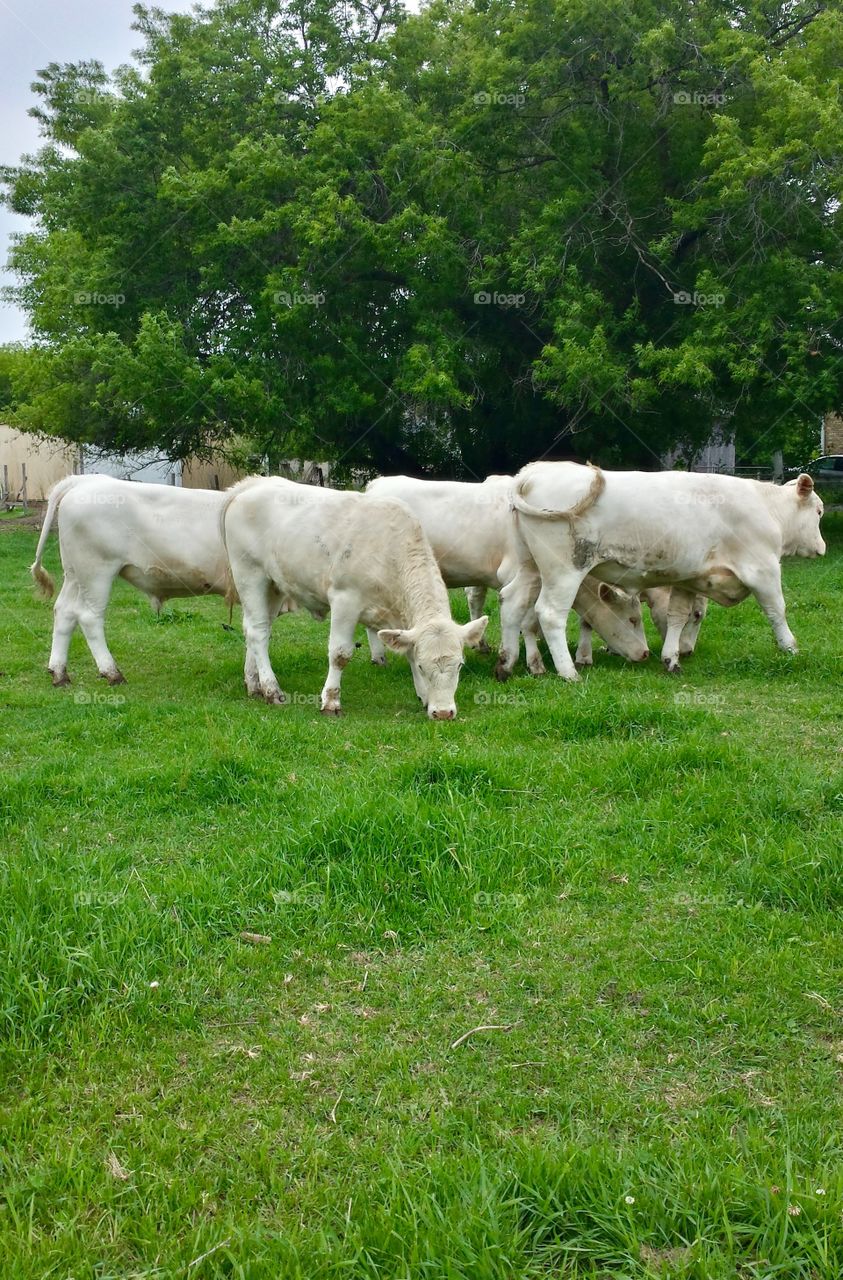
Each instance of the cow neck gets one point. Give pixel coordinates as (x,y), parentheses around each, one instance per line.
(423,594)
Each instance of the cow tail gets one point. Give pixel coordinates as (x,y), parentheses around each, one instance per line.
(44,580)
(586,502)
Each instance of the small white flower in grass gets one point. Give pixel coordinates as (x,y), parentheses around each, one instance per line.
(794,1210)
(629,1199)
(820,1191)
(153,986)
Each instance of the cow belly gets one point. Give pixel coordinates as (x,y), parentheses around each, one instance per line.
(170,581)
(719,583)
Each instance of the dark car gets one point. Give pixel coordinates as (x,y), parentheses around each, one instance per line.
(824,471)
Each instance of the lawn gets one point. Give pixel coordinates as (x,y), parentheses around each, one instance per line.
(638,880)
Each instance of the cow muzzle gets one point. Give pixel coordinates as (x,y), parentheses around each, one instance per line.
(442,713)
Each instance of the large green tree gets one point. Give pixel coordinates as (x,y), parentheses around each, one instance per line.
(442,242)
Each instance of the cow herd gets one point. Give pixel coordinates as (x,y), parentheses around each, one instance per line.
(554,538)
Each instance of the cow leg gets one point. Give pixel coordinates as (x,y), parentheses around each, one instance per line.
(584,657)
(476,597)
(530,628)
(258,600)
(555,602)
(377,652)
(679,609)
(91,607)
(345,610)
(518,598)
(65,621)
(768,593)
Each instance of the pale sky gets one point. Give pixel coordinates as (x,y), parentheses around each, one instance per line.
(32,34)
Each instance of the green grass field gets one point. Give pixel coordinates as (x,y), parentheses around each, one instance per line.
(640,876)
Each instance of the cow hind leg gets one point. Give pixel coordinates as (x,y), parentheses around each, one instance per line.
(555,602)
(518,599)
(345,611)
(584,657)
(258,601)
(65,622)
(92,602)
(532,653)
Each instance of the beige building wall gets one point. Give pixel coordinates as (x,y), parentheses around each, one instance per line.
(216,474)
(43,460)
(833,434)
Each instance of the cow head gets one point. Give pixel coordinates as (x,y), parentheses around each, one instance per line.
(616,616)
(434,650)
(801,527)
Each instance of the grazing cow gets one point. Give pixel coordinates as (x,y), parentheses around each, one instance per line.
(363,558)
(476,543)
(163,540)
(718,535)
(660,601)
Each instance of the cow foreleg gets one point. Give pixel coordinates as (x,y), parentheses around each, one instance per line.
(377,652)
(92,601)
(476,597)
(768,593)
(679,610)
(345,611)
(556,599)
(584,657)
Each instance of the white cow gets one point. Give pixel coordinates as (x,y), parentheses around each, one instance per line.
(660,601)
(363,558)
(163,540)
(476,542)
(721,536)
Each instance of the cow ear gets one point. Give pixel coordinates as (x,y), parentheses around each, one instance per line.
(473,632)
(804,486)
(398,641)
(605,593)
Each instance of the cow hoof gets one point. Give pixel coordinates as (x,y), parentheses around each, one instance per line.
(584,662)
(673,668)
(113,677)
(379,662)
(332,711)
(502,673)
(276,698)
(60,679)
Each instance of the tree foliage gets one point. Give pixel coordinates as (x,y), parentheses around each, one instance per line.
(444,242)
